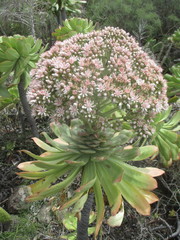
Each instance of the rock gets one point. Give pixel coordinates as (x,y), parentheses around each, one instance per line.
(45,215)
(17,201)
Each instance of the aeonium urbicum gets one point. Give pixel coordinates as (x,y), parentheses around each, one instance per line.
(100,159)
(103,78)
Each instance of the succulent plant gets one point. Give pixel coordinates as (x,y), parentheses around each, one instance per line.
(173,81)
(103,78)
(73,26)
(100,159)
(70,223)
(11,100)
(166,136)
(71,6)
(175,38)
(18,55)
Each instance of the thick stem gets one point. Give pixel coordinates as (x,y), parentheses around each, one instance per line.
(63,14)
(31,5)
(26,107)
(21,120)
(58,13)
(83,223)
(167,54)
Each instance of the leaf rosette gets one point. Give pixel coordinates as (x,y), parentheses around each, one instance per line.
(72,27)
(166,136)
(101,159)
(18,55)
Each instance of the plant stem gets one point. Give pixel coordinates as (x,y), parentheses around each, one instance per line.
(20,116)
(167,54)
(82,225)
(25,105)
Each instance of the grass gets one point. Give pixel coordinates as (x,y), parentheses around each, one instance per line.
(23,228)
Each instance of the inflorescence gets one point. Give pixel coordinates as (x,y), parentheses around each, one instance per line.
(81,76)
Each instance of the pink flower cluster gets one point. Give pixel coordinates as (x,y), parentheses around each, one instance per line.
(84,75)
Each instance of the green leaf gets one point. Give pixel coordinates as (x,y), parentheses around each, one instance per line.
(162,115)
(23,48)
(12,54)
(2,56)
(173,148)
(164,148)
(49,156)
(72,27)
(4,76)
(36,175)
(27,79)
(44,146)
(120,138)
(99,206)
(168,134)
(91,230)
(54,143)
(55,188)
(88,177)
(48,180)
(19,69)
(127,154)
(80,204)
(72,201)
(135,197)
(112,191)
(173,121)
(136,177)
(5,217)
(55,128)
(4,92)
(115,170)
(70,222)
(36,47)
(47,166)
(146,152)
(6,66)
(30,166)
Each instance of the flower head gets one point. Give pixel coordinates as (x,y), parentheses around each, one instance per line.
(90,72)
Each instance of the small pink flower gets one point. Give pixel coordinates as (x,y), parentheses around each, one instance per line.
(60,112)
(88,105)
(83,92)
(74,110)
(41,110)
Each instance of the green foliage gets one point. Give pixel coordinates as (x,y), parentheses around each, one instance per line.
(168,12)
(126,14)
(4,216)
(10,99)
(154,46)
(100,159)
(165,136)
(72,6)
(23,228)
(18,55)
(70,223)
(72,27)
(175,38)
(173,81)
